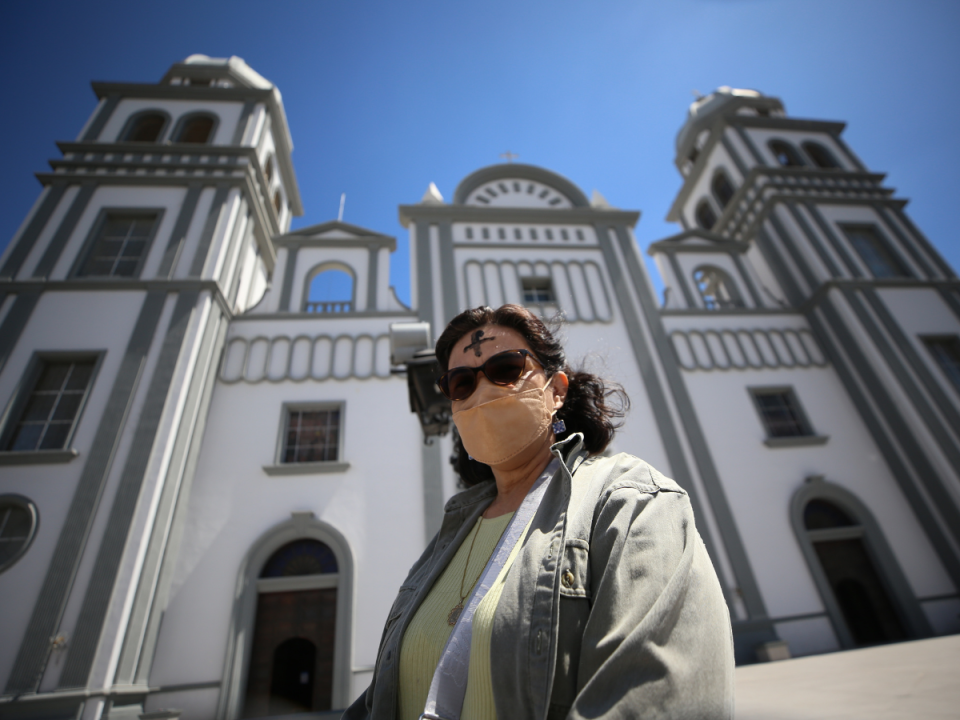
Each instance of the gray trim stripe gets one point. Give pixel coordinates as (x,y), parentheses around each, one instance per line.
(682,281)
(767,246)
(241,128)
(48,609)
(838,245)
(425,276)
(209,228)
(26,241)
(748,141)
(103,115)
(949,297)
(922,240)
(814,240)
(14,323)
(904,241)
(941,434)
(736,551)
(63,233)
(748,280)
(799,261)
(151,590)
(734,155)
(373,263)
(286,290)
(448,269)
(179,233)
(86,636)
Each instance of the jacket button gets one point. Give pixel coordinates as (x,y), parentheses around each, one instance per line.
(567,579)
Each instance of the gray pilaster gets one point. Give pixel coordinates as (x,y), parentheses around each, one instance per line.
(63,233)
(103,115)
(48,608)
(682,281)
(732,542)
(949,297)
(799,261)
(241,128)
(838,246)
(448,280)
(287,288)
(905,242)
(872,401)
(14,323)
(209,228)
(748,142)
(373,267)
(86,637)
(179,234)
(156,572)
(924,243)
(734,155)
(26,241)
(770,253)
(425,298)
(748,280)
(814,240)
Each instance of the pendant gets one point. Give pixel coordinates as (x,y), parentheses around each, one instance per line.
(455,614)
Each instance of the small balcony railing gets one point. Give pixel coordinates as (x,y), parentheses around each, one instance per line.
(335,306)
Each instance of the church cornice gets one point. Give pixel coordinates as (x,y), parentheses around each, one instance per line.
(470,213)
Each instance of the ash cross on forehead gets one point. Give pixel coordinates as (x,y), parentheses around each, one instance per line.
(475,345)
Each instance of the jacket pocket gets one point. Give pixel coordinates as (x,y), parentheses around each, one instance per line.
(575,569)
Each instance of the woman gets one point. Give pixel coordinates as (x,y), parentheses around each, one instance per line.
(562,583)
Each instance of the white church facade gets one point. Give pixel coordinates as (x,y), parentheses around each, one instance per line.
(211,483)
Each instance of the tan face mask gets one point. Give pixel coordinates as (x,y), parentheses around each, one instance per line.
(502,422)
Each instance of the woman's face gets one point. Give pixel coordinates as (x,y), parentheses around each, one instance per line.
(477,346)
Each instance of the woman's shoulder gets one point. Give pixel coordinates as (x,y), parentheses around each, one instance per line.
(624,471)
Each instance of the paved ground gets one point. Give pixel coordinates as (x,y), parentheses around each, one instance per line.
(916,680)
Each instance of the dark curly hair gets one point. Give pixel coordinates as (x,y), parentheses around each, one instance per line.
(591,406)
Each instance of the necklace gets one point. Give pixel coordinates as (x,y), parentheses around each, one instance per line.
(458,608)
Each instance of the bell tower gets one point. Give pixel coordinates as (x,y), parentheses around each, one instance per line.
(152,231)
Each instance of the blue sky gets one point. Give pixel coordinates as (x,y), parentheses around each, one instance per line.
(384,97)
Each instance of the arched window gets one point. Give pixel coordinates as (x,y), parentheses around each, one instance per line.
(196,130)
(292,654)
(706,217)
(863,589)
(268,170)
(785,153)
(716,289)
(18,524)
(145,127)
(330,291)
(722,188)
(277,201)
(821,157)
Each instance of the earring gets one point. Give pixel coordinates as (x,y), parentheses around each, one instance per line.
(558,426)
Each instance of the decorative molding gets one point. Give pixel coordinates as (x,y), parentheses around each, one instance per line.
(306,468)
(300,358)
(747,349)
(796,441)
(37,457)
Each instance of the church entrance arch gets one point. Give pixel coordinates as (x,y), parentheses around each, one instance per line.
(861,584)
(289,648)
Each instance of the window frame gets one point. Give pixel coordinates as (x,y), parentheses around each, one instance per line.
(279,467)
(722,175)
(791,150)
(128,126)
(736,298)
(809,436)
(705,203)
(187,117)
(926,340)
(99,223)
(820,147)
(906,271)
(28,505)
(21,395)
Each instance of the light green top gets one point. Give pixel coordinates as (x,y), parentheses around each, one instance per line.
(428,631)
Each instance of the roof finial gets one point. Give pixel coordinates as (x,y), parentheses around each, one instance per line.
(509,156)
(696,93)
(343,201)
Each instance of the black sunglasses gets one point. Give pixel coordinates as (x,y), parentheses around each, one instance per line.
(503,368)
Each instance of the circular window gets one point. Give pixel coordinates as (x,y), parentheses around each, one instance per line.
(18,525)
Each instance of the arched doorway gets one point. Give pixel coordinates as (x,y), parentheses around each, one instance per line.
(867,609)
(293,645)
(864,591)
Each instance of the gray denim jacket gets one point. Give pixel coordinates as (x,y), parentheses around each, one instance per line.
(612,608)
